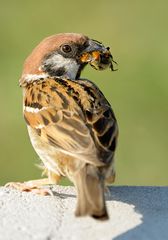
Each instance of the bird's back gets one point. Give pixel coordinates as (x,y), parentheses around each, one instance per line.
(73,116)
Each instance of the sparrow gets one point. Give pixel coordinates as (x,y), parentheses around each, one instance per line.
(71,125)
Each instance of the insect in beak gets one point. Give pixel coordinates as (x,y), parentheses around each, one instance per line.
(99,57)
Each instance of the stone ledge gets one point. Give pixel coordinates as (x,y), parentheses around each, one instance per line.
(135,213)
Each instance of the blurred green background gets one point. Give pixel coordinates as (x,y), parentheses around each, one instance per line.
(137,32)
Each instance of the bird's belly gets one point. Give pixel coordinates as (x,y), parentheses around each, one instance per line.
(53,158)
(47,153)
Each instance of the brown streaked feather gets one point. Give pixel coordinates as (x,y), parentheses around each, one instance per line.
(61,126)
(74,117)
(101,121)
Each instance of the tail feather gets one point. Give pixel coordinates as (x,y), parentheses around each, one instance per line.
(90,190)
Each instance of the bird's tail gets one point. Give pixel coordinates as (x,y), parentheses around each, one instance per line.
(90,190)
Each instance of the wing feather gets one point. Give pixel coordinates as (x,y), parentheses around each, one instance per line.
(74,117)
(61,122)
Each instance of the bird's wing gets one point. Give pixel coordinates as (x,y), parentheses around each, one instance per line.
(101,122)
(52,111)
(73,116)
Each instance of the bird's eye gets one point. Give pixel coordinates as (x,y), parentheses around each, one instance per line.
(66,48)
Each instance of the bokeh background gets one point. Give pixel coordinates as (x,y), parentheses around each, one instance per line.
(137,32)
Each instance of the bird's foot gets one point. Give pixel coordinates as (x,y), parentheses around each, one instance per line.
(30,187)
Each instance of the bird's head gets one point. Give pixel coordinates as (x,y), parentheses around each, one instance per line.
(65,55)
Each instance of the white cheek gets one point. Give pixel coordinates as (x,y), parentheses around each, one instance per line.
(58,61)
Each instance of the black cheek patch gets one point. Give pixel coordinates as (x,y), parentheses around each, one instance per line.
(53,71)
(60,71)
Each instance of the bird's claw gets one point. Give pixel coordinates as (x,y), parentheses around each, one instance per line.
(30,188)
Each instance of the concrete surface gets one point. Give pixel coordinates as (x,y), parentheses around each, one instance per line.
(135,213)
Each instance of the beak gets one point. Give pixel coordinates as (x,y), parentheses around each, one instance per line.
(97,55)
(95,46)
